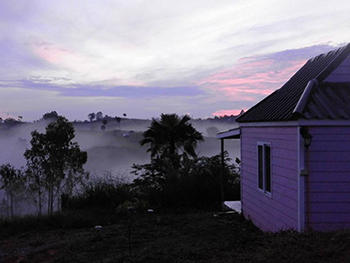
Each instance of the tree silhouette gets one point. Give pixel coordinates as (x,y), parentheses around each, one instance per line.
(35,175)
(12,181)
(57,159)
(118,119)
(171,134)
(53,115)
(99,115)
(91,116)
(10,121)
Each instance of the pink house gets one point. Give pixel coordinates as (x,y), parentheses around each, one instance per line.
(295,150)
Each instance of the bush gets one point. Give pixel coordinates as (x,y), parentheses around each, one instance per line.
(196,184)
(105,193)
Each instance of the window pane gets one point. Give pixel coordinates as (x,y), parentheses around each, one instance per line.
(267,168)
(260,167)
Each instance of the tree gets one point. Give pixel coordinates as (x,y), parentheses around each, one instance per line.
(99,115)
(55,160)
(10,121)
(194,184)
(36,181)
(91,116)
(12,181)
(171,134)
(104,123)
(35,171)
(118,120)
(53,115)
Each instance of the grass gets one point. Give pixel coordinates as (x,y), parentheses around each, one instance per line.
(186,237)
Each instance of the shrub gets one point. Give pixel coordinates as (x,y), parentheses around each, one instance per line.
(104,193)
(195,184)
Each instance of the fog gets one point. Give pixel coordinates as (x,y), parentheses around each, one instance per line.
(114,149)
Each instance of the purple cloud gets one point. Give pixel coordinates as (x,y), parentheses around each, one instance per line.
(79,90)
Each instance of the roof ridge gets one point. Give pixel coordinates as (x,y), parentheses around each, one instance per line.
(336,61)
(312,84)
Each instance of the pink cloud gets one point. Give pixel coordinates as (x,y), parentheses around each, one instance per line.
(5,115)
(228,112)
(58,55)
(251,77)
(49,52)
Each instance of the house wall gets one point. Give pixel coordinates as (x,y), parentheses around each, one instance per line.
(330,178)
(280,210)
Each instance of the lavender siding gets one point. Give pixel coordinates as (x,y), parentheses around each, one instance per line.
(280,210)
(330,178)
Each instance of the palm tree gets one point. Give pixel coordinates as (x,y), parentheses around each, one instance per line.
(171,134)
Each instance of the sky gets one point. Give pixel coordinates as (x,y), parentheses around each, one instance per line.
(144,58)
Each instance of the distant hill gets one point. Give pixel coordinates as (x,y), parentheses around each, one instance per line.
(114,148)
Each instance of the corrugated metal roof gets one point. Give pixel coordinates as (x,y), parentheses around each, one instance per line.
(329,101)
(279,106)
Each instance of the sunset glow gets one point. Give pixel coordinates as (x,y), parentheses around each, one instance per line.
(151,57)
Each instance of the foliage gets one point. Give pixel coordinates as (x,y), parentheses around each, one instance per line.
(13,182)
(135,205)
(105,193)
(91,116)
(104,123)
(196,183)
(53,115)
(171,134)
(11,121)
(54,161)
(99,115)
(118,119)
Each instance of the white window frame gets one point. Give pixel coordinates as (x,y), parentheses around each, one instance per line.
(264,179)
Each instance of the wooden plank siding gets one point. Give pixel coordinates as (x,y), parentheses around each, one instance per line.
(330,178)
(280,210)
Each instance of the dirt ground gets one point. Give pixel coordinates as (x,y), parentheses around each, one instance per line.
(190,237)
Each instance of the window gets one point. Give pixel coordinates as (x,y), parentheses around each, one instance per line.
(264,167)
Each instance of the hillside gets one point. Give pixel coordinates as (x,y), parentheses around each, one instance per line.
(192,237)
(114,149)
